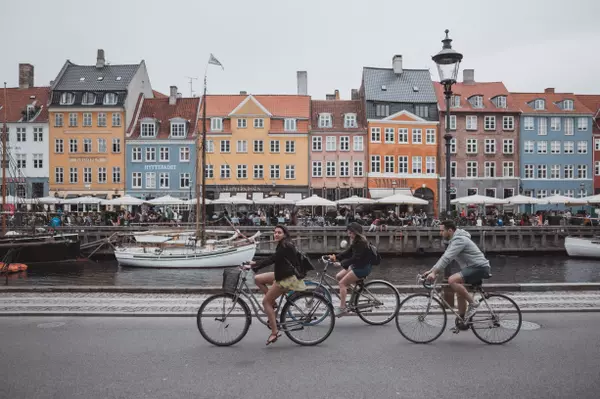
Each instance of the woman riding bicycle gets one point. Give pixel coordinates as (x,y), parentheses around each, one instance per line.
(356,261)
(282,280)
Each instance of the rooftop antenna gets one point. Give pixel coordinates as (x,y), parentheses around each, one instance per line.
(191,79)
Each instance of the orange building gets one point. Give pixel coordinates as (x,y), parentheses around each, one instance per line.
(403,155)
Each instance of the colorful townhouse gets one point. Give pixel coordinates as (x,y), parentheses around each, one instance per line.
(26,113)
(90,109)
(257,146)
(592,102)
(484,120)
(161,147)
(556,154)
(402,117)
(338,149)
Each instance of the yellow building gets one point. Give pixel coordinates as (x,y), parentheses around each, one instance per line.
(257,146)
(90,110)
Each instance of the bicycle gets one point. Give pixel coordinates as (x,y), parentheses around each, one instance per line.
(363,300)
(229,307)
(429,312)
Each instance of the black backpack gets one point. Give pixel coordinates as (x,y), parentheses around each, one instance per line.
(302,265)
(375,257)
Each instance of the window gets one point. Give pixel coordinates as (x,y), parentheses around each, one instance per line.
(87,175)
(59,175)
(330,168)
(330,143)
(554,124)
(472,169)
(259,123)
(73,176)
(259,172)
(358,143)
(163,180)
(87,119)
(490,192)
(471,146)
(555,172)
(542,172)
(477,101)
(403,136)
(21,134)
(38,134)
(290,146)
(569,193)
(452,122)
(508,123)
(164,154)
(290,172)
(596,168)
(417,165)
(569,147)
(184,154)
(358,168)
(210,146)
(455,102)
(568,126)
(490,146)
(88,99)
(102,175)
(430,136)
(350,121)
(430,165)
(489,122)
(73,145)
(490,169)
(216,124)
(242,123)
(225,172)
(508,146)
(389,135)
(388,164)
(596,144)
(101,119)
(177,129)
(453,169)
(136,154)
(21,161)
(289,125)
(225,146)
(569,171)
(150,154)
(87,145)
(582,171)
(403,164)
(150,180)
(274,172)
(375,135)
(542,147)
(582,124)
(58,120)
(72,120)
(116,146)
(242,146)
(582,193)
(116,174)
(501,101)
(539,104)
(275,146)
(508,169)
(422,111)
(242,171)
(528,123)
(568,105)
(417,136)
(382,110)
(184,180)
(554,192)
(471,122)
(345,143)
(210,172)
(375,163)
(582,147)
(509,192)
(258,146)
(528,169)
(528,147)
(555,147)
(453,145)
(67,98)
(542,126)
(325,120)
(542,193)
(317,169)
(110,99)
(38,161)
(136,180)
(148,129)
(317,143)
(472,191)
(116,119)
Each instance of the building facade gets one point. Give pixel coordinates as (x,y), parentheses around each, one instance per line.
(484,120)
(555,145)
(338,149)
(27,139)
(91,108)
(161,148)
(592,102)
(257,146)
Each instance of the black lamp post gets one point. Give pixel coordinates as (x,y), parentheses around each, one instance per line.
(448,61)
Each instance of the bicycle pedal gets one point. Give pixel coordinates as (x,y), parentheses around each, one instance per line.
(455,330)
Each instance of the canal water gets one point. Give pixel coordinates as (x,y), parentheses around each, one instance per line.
(401,270)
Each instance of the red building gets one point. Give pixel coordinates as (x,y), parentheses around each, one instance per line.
(593,103)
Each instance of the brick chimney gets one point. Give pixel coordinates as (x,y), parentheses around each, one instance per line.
(549,90)
(100,60)
(302,77)
(173,95)
(468,76)
(397,64)
(354,94)
(25,76)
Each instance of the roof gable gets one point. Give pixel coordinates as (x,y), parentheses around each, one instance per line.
(17,100)
(89,78)
(488,90)
(338,109)
(277,106)
(159,110)
(552,103)
(411,86)
(404,116)
(250,107)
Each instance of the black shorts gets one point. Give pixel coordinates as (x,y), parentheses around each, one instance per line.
(474,274)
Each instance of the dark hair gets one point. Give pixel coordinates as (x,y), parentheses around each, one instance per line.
(449,225)
(286,232)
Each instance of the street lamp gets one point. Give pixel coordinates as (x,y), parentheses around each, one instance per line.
(448,61)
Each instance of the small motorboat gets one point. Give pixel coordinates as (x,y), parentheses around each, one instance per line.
(584,247)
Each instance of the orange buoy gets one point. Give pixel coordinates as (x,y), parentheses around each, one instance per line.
(13,267)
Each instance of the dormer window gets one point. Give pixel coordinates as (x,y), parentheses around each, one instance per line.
(568,105)
(350,121)
(67,98)
(539,104)
(178,129)
(110,99)
(88,99)
(148,129)
(216,124)
(501,101)
(476,101)
(325,120)
(455,102)
(289,125)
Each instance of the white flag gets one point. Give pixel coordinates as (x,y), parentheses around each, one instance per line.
(215,61)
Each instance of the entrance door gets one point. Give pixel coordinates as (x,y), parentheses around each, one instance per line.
(426,194)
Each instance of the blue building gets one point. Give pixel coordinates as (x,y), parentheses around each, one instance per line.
(161,147)
(556,148)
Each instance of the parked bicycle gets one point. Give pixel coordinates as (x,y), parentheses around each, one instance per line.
(424,313)
(229,309)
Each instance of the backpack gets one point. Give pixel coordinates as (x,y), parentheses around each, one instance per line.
(375,257)
(302,264)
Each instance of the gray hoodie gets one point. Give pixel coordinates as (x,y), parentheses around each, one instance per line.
(462,250)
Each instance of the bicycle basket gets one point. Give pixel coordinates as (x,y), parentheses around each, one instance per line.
(231,279)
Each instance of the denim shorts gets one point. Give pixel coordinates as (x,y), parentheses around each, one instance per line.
(474,274)
(363,271)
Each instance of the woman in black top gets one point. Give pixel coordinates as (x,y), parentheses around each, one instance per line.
(356,261)
(282,280)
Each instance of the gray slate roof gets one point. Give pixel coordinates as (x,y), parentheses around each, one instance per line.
(71,79)
(399,87)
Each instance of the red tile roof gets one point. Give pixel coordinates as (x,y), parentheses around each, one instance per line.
(523,99)
(488,90)
(17,100)
(158,94)
(282,106)
(593,104)
(159,109)
(337,109)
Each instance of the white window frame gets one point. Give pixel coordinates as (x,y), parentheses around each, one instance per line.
(389,135)
(453,145)
(596,144)
(344,143)
(568,147)
(403,164)
(582,147)
(274,147)
(417,165)
(539,104)
(508,123)
(184,154)
(490,146)
(290,125)
(569,171)
(568,105)
(317,169)
(88,146)
(164,180)
(403,135)
(541,171)
(375,135)
(472,170)
(150,180)
(417,136)
(259,123)
(102,175)
(110,99)
(471,122)
(508,146)
(330,143)
(389,164)
(489,169)
(216,124)
(136,179)
(274,172)
(508,169)
(555,124)
(542,147)
(209,172)
(317,143)
(116,174)
(330,169)
(242,123)
(430,165)
(102,146)
(358,143)
(290,172)
(116,119)
(101,119)
(430,136)
(225,172)
(555,171)
(242,172)
(116,145)
(290,147)
(67,98)
(582,172)
(350,121)
(582,124)
(529,123)
(569,126)
(489,122)
(147,129)
(150,154)
(542,126)
(358,169)
(225,147)
(375,165)
(164,154)
(86,120)
(471,146)
(325,120)
(258,172)
(258,146)
(73,176)
(177,129)
(241,146)
(528,171)
(555,147)
(183,178)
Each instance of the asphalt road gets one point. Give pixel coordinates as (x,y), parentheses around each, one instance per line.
(79,357)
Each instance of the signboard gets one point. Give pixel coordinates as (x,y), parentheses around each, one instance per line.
(160,167)
(87,159)
(452,190)
(387,183)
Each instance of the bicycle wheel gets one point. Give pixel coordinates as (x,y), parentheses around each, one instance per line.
(498,319)
(319,289)
(300,327)
(227,313)
(376,302)
(420,313)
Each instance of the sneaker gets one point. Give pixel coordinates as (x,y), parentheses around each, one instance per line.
(339,312)
(471,310)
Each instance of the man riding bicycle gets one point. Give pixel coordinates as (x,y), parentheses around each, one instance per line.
(473,264)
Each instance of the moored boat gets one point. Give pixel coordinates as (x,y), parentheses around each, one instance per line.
(585,247)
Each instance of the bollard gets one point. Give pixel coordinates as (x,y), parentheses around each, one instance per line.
(447,291)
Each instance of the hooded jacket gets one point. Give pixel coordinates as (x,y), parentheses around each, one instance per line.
(463,251)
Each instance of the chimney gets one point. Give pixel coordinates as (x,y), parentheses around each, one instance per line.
(397,64)
(302,83)
(337,94)
(354,94)
(469,76)
(173,95)
(100,61)
(549,90)
(243,93)
(25,76)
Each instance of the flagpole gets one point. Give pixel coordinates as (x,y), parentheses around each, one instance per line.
(203,232)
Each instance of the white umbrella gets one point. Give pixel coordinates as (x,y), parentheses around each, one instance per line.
(522,200)
(274,200)
(44,200)
(355,200)
(593,199)
(124,200)
(233,201)
(562,200)
(478,200)
(193,201)
(315,200)
(402,199)
(12,200)
(165,200)
(83,200)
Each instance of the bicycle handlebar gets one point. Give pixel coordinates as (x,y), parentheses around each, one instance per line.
(422,279)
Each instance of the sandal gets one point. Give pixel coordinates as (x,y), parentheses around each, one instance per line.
(272,341)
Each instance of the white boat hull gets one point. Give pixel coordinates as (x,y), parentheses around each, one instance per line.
(583,247)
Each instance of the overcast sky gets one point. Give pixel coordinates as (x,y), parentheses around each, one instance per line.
(527,44)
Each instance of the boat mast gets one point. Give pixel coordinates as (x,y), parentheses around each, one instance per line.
(202,228)
(4,158)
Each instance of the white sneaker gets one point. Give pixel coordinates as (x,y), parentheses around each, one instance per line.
(339,312)
(471,310)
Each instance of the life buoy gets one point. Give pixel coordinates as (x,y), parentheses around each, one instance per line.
(13,267)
